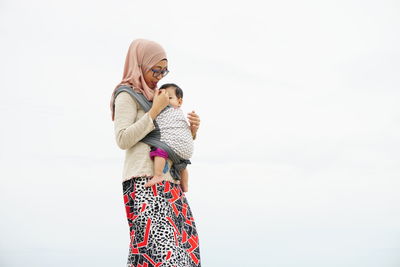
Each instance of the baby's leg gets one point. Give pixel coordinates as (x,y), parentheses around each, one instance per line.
(184,180)
(159,163)
(159,156)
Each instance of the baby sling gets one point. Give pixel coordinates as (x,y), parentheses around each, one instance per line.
(154,137)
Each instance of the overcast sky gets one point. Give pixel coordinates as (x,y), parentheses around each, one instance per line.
(297,157)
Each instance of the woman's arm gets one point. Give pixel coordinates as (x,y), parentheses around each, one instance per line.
(127,131)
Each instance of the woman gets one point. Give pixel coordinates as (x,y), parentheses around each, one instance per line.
(162,227)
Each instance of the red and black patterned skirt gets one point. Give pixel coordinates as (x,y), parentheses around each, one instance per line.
(162,228)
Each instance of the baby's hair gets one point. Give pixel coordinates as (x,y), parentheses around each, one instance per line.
(178,90)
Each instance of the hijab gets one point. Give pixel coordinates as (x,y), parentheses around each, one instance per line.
(142,55)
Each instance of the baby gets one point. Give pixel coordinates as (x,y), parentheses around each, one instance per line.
(175,132)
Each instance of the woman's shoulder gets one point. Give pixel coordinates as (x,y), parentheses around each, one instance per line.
(123,95)
(124,98)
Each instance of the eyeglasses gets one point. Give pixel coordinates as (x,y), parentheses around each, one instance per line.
(157,73)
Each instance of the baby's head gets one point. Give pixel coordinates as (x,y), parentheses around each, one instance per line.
(175,94)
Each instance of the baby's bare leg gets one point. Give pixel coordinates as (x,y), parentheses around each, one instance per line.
(184,180)
(159,163)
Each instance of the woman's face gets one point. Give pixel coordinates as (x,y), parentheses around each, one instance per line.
(149,78)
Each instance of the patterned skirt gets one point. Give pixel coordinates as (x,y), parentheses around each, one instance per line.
(162,228)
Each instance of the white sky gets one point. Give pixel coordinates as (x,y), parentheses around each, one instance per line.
(297,158)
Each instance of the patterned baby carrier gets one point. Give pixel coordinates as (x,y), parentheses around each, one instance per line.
(154,138)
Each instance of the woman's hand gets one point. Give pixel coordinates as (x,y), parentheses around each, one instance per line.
(160,101)
(194,121)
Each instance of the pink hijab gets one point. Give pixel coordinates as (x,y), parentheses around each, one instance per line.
(142,55)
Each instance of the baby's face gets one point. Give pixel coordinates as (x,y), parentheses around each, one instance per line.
(173,100)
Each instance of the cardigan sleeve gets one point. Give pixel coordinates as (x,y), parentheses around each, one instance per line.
(128,131)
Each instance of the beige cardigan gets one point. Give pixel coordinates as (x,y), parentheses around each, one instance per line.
(131,124)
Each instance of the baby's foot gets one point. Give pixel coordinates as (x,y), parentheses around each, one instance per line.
(154,180)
